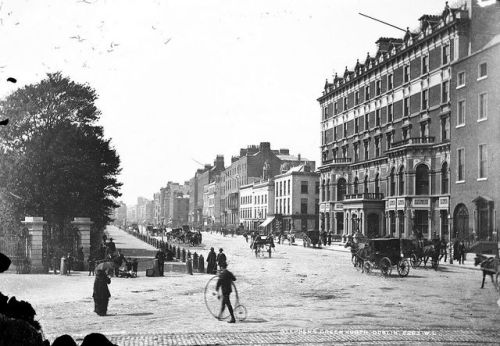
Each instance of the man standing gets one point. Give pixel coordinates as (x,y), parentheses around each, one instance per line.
(101,292)
(118,261)
(212,262)
(225,282)
(160,256)
(69,260)
(221,258)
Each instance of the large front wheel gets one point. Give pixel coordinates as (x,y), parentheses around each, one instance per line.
(403,268)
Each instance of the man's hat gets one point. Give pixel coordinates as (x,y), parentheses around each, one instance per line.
(221,249)
(211,249)
(110,239)
(4,262)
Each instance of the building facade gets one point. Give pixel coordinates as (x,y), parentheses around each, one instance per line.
(297,199)
(475,126)
(386,135)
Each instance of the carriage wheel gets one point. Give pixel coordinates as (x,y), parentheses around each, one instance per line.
(434,263)
(385,266)
(367,266)
(403,267)
(415,261)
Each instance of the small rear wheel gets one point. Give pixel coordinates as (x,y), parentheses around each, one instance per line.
(367,267)
(403,267)
(240,312)
(385,266)
(415,261)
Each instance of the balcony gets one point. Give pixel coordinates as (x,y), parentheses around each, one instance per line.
(338,161)
(413,141)
(366,196)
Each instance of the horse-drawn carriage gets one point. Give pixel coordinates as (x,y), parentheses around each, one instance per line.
(261,244)
(384,254)
(420,251)
(311,238)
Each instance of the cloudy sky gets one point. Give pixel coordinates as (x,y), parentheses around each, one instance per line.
(182,81)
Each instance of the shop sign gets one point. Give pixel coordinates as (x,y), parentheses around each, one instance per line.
(327,208)
(338,206)
(401,203)
(322,208)
(443,203)
(391,204)
(421,202)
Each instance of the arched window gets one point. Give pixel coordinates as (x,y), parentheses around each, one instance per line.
(392,186)
(341,189)
(461,222)
(422,180)
(377,186)
(366,183)
(355,186)
(401,181)
(444,178)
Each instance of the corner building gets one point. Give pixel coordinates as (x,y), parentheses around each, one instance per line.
(385,135)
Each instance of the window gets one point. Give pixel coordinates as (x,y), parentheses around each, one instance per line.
(482,159)
(460,79)
(378,87)
(390,81)
(425,64)
(367,149)
(367,92)
(377,146)
(390,109)
(344,152)
(392,190)
(335,133)
(335,108)
(425,99)
(288,206)
(406,107)
(316,187)
(401,181)
(446,54)
(445,95)
(389,140)
(461,113)
(406,72)
(377,185)
(460,164)
(356,97)
(303,205)
(367,121)
(325,113)
(444,178)
(445,129)
(482,71)
(288,187)
(422,180)
(377,117)
(345,103)
(355,186)
(341,189)
(334,153)
(366,184)
(356,152)
(483,107)
(405,133)
(304,188)
(345,130)
(356,125)
(424,129)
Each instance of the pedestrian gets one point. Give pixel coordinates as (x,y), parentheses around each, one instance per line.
(225,282)
(456,254)
(134,266)
(444,250)
(118,261)
(160,256)
(101,292)
(111,246)
(64,340)
(323,237)
(246,236)
(329,238)
(212,262)
(462,251)
(221,258)
(81,258)
(91,263)
(69,261)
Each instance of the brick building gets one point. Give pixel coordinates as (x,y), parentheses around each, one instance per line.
(475,125)
(386,134)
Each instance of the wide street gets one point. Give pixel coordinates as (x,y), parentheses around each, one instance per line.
(300,295)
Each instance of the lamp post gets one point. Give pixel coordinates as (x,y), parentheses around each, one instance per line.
(450,237)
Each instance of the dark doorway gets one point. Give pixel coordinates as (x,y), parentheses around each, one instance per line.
(373,225)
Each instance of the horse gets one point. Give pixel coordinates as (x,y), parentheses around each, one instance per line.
(354,249)
(432,251)
(489,265)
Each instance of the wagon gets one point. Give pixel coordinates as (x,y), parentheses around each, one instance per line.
(311,238)
(384,254)
(262,244)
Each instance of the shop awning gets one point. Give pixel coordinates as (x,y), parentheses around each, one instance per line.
(267,221)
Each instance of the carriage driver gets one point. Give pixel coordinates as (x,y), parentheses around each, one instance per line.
(225,282)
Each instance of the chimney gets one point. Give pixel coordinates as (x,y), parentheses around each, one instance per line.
(284,152)
(219,162)
(298,157)
(243,152)
(264,146)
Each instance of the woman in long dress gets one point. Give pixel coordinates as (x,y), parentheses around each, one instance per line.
(101,292)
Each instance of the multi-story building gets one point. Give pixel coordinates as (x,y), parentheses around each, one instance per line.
(253,164)
(156,209)
(475,125)
(257,204)
(131,214)
(167,196)
(210,175)
(120,214)
(180,210)
(297,198)
(386,135)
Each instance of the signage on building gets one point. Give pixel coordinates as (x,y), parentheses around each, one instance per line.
(443,203)
(390,204)
(401,203)
(338,206)
(327,208)
(322,208)
(421,202)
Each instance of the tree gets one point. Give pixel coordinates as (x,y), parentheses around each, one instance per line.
(54,156)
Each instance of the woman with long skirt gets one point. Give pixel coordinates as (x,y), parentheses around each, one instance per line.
(101,292)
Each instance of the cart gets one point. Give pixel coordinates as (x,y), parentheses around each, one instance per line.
(384,254)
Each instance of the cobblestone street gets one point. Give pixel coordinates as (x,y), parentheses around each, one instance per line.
(299,295)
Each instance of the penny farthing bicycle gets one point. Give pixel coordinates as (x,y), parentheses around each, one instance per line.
(213,301)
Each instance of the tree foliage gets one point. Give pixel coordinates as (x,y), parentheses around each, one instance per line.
(54,156)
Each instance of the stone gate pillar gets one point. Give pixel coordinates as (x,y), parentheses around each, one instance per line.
(83,224)
(35,227)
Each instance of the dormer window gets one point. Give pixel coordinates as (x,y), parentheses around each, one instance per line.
(482,71)
(367,92)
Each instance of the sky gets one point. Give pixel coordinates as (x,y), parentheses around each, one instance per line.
(180,82)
